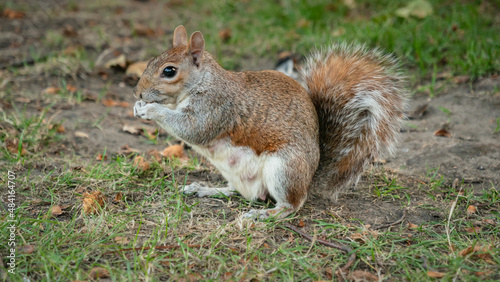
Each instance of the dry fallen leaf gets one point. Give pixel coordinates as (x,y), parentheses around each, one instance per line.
(81,134)
(113,103)
(473,229)
(121,240)
(143,30)
(225,34)
(141,163)
(118,197)
(442,132)
(109,102)
(60,128)
(134,130)
(137,68)
(98,272)
(465,251)
(461,79)
(93,202)
(155,154)
(100,157)
(119,61)
(484,273)
(71,88)
(489,221)
(435,274)
(358,237)
(56,211)
(51,90)
(12,14)
(13,146)
(22,100)
(176,151)
(26,249)
(301,223)
(412,226)
(361,275)
(471,209)
(126,149)
(69,31)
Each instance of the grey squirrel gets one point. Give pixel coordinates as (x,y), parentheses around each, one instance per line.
(267,134)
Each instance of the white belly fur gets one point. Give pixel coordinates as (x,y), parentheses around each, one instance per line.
(249,174)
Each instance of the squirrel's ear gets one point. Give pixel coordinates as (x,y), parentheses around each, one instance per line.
(180,37)
(196,47)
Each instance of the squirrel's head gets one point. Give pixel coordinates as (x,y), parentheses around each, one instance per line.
(173,72)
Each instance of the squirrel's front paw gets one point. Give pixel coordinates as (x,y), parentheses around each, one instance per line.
(144,110)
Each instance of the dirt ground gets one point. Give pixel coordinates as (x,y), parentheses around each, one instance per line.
(469,112)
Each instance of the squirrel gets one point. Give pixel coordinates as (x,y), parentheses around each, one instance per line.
(268,134)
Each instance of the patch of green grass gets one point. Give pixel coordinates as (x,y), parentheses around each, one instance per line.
(459,37)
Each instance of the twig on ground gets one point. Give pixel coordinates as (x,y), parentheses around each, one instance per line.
(341,247)
(167,247)
(392,224)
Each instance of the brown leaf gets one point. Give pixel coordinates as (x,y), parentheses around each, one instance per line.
(412,226)
(484,273)
(225,34)
(329,273)
(98,272)
(69,31)
(81,134)
(473,229)
(141,163)
(358,237)
(134,130)
(22,100)
(471,209)
(27,249)
(118,197)
(113,103)
(109,102)
(100,157)
(51,90)
(435,274)
(361,275)
(13,146)
(137,68)
(118,61)
(123,104)
(143,30)
(465,251)
(489,221)
(12,14)
(419,111)
(93,202)
(71,88)
(442,132)
(461,79)
(126,149)
(56,211)
(174,151)
(155,154)
(121,240)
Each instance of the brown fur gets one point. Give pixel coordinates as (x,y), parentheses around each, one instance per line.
(351,110)
(336,80)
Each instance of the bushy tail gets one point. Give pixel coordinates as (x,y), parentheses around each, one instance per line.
(360,98)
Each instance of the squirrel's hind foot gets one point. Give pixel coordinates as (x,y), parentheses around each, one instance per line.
(277,212)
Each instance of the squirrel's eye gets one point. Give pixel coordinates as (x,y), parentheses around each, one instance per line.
(169,71)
